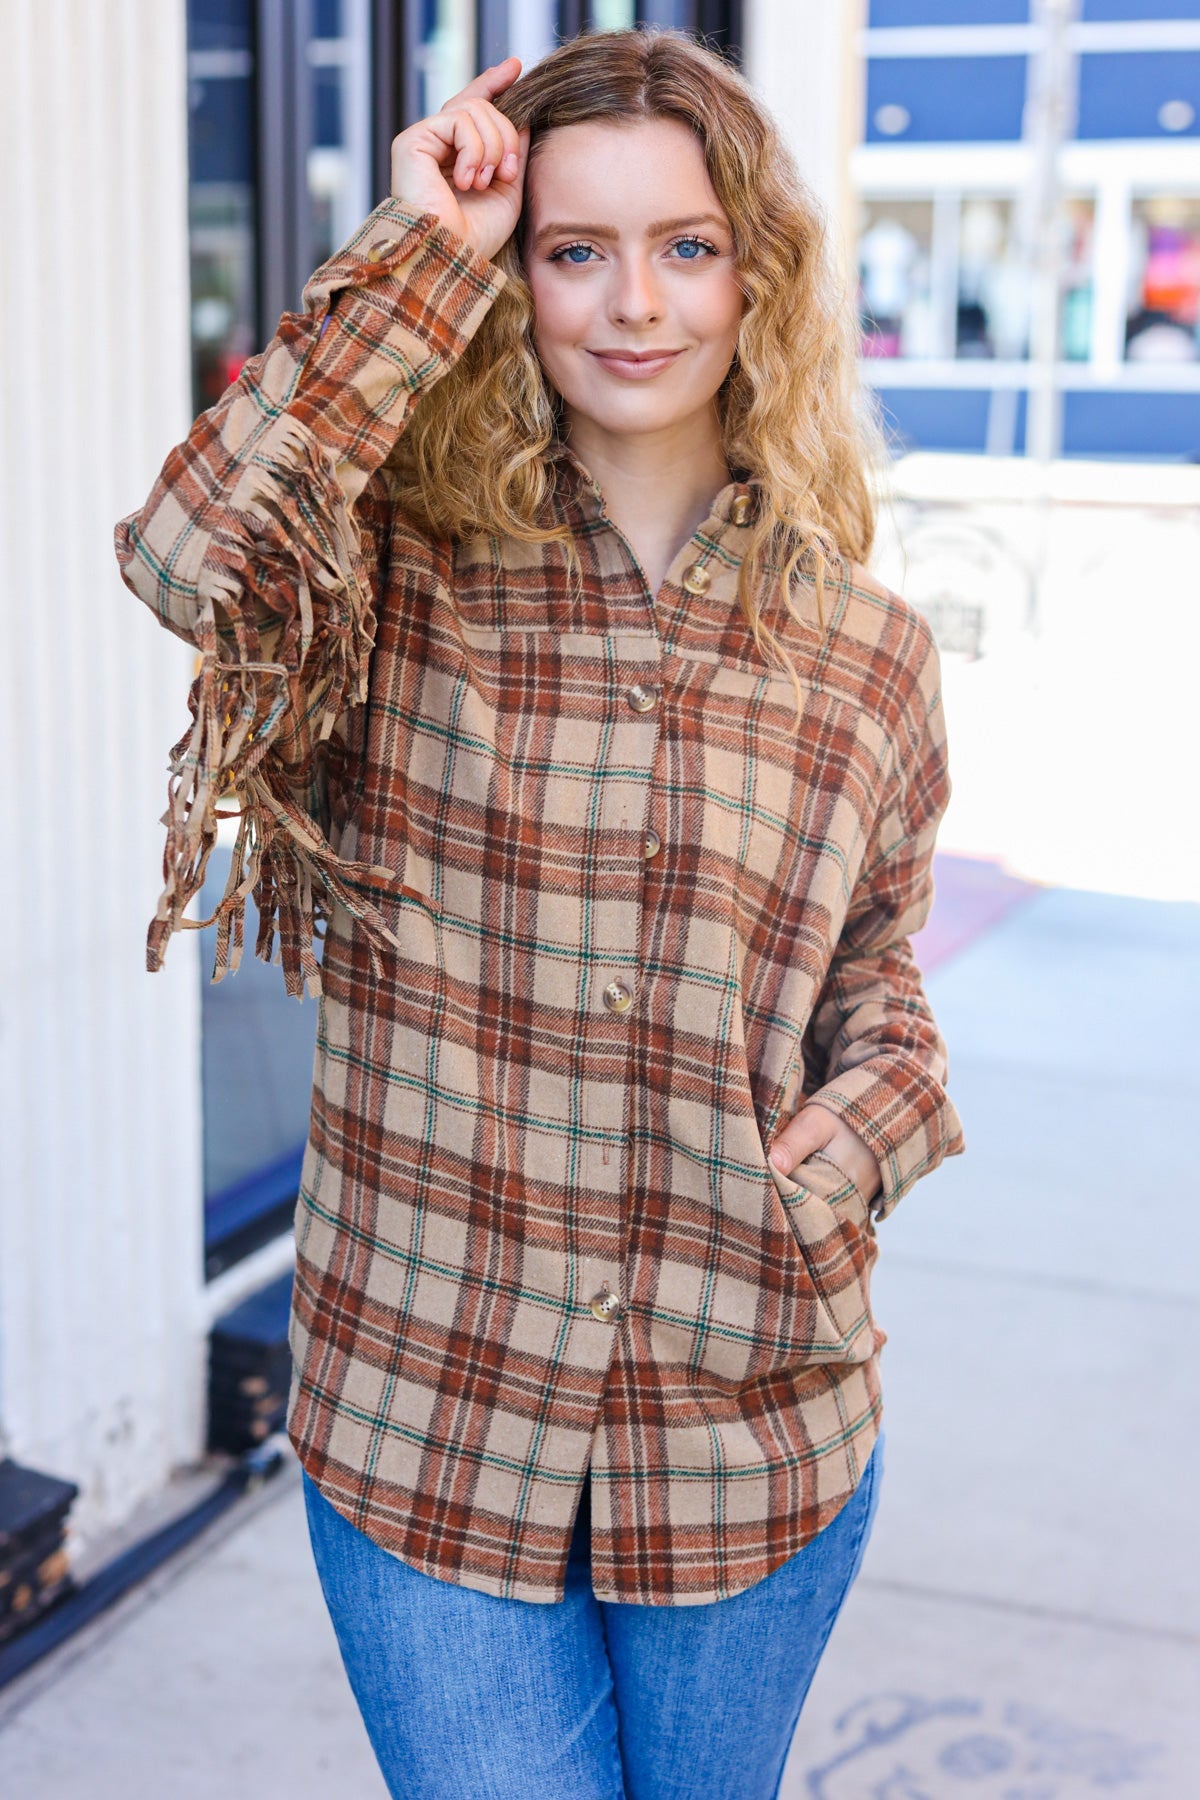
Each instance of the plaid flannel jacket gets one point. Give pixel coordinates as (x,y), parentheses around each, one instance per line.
(595,922)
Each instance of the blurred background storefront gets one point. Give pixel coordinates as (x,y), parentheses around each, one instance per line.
(943,172)
(154,1130)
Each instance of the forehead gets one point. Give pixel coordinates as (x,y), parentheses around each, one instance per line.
(641,166)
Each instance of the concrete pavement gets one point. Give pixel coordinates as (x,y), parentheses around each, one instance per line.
(1027,1622)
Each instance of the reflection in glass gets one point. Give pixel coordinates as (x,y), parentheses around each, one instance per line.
(339,158)
(1075,326)
(895,257)
(992,292)
(445,51)
(613,15)
(222,130)
(944,277)
(257,1047)
(1163,303)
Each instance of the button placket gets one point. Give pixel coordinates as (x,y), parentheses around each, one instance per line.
(697,577)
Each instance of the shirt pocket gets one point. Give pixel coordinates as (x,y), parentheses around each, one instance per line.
(830,1220)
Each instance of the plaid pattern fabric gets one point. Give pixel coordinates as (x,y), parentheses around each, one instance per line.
(595,922)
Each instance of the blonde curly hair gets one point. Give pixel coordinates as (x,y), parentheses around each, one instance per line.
(796,420)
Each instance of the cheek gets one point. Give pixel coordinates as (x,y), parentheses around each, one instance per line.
(718,313)
(560,313)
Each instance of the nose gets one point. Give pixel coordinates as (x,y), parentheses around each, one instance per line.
(635,298)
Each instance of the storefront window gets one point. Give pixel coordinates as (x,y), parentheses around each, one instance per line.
(339,157)
(446,51)
(222,138)
(1163,305)
(992,304)
(946,278)
(895,260)
(1075,327)
(613,15)
(257,1046)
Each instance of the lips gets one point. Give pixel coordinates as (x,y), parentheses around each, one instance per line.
(635,365)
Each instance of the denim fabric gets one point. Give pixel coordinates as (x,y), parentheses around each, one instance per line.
(465,1693)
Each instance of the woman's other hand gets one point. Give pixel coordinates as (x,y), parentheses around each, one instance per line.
(466,163)
(814,1127)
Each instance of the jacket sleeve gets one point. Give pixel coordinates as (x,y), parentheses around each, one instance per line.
(872,1033)
(259,543)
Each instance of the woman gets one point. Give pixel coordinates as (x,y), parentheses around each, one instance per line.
(539,660)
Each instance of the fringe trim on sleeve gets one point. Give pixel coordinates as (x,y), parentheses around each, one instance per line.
(286,547)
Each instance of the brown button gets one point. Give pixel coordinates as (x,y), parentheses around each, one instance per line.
(606,1305)
(380,248)
(741,510)
(617,997)
(697,579)
(642,699)
(653,844)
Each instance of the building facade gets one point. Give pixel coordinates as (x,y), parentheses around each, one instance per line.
(943,177)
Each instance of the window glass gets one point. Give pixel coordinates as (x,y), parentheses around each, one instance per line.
(895,252)
(530,30)
(445,52)
(222,129)
(339,157)
(907,259)
(257,1046)
(992,299)
(992,316)
(613,15)
(1075,324)
(1163,304)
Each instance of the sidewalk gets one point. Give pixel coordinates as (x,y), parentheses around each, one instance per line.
(1027,1622)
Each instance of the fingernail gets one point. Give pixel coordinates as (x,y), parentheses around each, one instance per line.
(468,173)
(782,1160)
(485,174)
(509,164)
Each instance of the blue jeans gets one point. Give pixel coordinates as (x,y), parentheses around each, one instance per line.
(463,1693)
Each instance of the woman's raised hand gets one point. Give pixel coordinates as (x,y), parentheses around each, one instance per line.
(466,163)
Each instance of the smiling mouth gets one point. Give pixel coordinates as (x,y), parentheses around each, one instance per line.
(639,364)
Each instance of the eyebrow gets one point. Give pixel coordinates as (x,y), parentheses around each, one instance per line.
(658,228)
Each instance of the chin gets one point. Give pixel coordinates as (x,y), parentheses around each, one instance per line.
(629,415)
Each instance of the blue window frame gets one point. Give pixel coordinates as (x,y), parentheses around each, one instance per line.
(1139,11)
(894,14)
(1133,94)
(944,99)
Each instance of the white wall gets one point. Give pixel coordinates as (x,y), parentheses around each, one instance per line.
(102,1308)
(802,56)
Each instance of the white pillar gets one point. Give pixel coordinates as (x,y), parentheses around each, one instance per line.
(803,57)
(102,1319)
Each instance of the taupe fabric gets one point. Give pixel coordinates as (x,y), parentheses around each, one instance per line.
(549,1063)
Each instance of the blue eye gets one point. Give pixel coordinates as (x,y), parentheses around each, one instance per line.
(690,248)
(568,251)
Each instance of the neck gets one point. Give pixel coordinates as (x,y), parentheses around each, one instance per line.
(658,484)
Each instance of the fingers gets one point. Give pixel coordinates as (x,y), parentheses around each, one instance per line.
(483,139)
(810,1129)
(490,81)
(815,1128)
